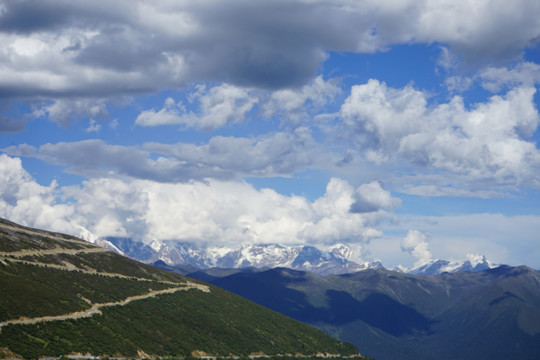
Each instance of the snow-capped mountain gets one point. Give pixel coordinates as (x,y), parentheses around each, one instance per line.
(104,243)
(335,260)
(472,263)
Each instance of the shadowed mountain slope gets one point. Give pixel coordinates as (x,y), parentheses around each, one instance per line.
(491,314)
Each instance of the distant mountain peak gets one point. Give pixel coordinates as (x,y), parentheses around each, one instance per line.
(341,251)
(474,262)
(86,235)
(479,260)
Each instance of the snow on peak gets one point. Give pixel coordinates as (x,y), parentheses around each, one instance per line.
(478,259)
(341,251)
(335,259)
(157,245)
(260,255)
(86,235)
(474,262)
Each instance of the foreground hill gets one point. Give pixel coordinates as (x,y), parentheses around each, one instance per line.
(61,295)
(491,314)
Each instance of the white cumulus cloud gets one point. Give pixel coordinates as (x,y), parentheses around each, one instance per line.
(62,111)
(372,197)
(296,104)
(218,106)
(491,141)
(496,78)
(212,212)
(24,201)
(417,244)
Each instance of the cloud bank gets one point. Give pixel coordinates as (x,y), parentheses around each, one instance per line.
(223,213)
(107,48)
(485,149)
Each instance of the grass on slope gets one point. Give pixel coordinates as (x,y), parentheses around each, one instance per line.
(218,323)
(16,238)
(34,291)
(176,324)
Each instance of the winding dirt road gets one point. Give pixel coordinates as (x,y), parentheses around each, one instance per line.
(95,309)
(24,253)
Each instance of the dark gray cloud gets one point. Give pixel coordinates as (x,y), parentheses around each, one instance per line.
(8,125)
(25,17)
(11,123)
(113,49)
(52,16)
(270,44)
(104,48)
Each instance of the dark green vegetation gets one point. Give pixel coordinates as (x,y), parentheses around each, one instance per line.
(493,314)
(45,274)
(156,326)
(33,291)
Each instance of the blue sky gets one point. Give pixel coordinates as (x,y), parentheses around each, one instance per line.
(295,122)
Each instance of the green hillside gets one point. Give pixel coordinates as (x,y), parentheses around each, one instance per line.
(61,296)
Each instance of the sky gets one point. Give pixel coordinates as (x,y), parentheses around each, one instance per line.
(405,129)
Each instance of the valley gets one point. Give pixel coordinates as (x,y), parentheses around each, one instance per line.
(490,314)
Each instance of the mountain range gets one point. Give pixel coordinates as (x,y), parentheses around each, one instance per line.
(336,259)
(60,295)
(488,314)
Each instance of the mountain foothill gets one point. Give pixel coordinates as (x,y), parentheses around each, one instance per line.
(62,296)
